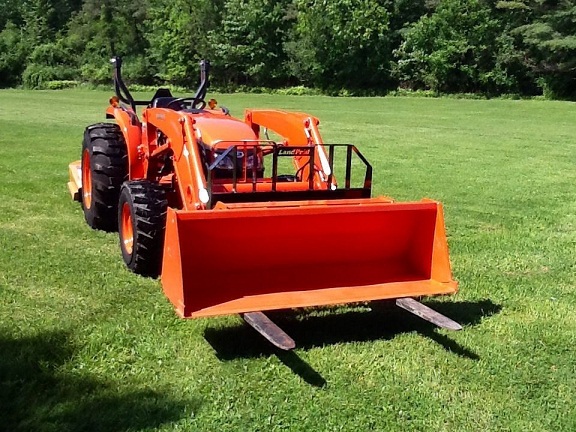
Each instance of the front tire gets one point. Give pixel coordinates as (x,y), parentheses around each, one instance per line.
(141,225)
(104,167)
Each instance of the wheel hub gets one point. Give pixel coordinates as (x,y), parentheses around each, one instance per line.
(86,180)
(127,235)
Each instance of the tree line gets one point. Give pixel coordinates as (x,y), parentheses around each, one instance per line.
(491,47)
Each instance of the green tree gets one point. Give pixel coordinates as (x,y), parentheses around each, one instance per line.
(341,44)
(549,44)
(10,12)
(104,28)
(49,62)
(248,46)
(13,53)
(460,47)
(177,34)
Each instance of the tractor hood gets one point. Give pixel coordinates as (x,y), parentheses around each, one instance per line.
(222,131)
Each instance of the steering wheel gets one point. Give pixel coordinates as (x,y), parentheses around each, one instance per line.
(194,101)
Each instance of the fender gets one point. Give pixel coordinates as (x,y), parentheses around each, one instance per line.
(132,130)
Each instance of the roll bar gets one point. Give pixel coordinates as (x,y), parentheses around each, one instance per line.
(125,96)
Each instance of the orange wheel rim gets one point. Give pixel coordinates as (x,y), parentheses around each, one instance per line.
(86,180)
(127,230)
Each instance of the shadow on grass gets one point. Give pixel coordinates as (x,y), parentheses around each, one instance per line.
(36,395)
(326,326)
(301,368)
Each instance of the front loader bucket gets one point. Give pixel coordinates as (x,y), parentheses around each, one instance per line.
(240,260)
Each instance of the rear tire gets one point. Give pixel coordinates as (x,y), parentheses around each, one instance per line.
(141,224)
(104,169)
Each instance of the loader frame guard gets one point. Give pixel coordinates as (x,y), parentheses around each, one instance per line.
(330,192)
(237,234)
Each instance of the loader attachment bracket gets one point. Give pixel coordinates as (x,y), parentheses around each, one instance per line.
(274,334)
(422,311)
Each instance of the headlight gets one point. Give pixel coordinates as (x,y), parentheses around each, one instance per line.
(252,160)
(226,163)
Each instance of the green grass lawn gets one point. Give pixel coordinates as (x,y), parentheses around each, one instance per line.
(86,345)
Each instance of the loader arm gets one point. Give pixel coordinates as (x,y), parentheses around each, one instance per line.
(181,145)
(297,129)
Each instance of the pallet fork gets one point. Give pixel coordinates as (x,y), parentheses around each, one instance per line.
(277,337)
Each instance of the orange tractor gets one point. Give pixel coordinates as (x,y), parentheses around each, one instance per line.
(235,222)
